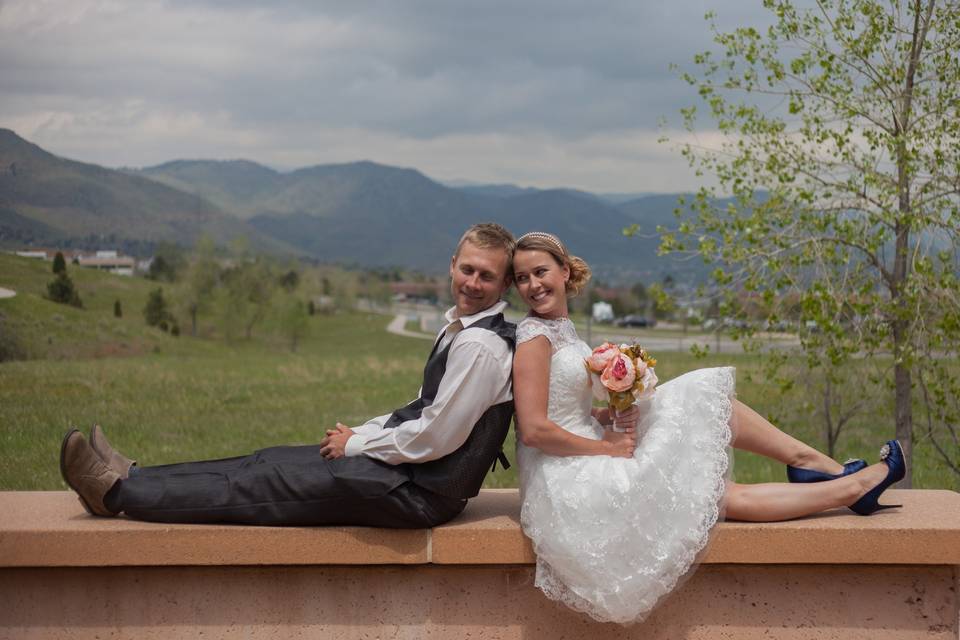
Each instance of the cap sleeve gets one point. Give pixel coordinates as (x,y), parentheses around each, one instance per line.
(530,327)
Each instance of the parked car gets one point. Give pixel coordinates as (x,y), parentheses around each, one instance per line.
(811,326)
(735,323)
(777,325)
(635,321)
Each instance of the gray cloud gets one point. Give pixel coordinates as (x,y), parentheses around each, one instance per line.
(122,83)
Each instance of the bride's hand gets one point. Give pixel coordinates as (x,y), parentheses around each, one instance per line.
(621,444)
(626,419)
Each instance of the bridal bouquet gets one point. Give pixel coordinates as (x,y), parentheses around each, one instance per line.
(624,372)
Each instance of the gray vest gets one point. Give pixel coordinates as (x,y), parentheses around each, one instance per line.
(460,474)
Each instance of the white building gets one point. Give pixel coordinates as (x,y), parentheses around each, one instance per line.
(602,312)
(109,261)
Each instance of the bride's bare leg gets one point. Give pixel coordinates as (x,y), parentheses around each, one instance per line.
(755,434)
(773,501)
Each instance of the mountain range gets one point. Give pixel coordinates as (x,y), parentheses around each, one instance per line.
(360,213)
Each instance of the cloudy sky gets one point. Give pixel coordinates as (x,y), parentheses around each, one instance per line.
(539,93)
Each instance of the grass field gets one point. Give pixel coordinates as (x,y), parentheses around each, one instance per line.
(163,399)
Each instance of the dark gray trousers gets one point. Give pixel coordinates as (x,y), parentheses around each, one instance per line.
(283,486)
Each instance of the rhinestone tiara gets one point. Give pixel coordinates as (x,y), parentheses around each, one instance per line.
(549,237)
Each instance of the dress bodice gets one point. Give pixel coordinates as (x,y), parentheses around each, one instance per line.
(570,396)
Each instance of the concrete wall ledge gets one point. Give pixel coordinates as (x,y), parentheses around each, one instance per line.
(64,574)
(50,529)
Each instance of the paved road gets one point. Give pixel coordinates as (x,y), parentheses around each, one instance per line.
(431,320)
(678,344)
(398,326)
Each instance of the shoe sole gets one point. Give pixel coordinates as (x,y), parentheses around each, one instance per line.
(63,471)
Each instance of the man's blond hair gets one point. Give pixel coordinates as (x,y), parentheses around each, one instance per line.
(488,235)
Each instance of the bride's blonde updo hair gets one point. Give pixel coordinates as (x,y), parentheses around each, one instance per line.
(540,241)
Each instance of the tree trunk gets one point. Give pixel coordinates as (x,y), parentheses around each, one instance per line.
(903,393)
(828,418)
(903,407)
(903,396)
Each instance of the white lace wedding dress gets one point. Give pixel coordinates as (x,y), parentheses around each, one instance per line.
(614,535)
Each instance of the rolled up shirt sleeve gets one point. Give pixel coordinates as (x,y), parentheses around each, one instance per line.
(477,377)
(362,432)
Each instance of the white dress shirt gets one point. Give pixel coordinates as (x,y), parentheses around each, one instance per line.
(477,377)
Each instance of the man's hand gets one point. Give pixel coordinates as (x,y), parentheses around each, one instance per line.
(335,443)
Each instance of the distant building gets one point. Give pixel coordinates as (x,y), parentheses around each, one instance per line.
(417,291)
(324,303)
(608,293)
(43,253)
(602,312)
(107,260)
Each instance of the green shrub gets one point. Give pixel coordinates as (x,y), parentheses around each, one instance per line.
(59,264)
(62,290)
(155,312)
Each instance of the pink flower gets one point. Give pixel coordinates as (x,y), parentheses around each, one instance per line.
(648,382)
(602,356)
(620,373)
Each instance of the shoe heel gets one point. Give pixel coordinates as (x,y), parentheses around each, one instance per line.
(63,446)
(892,455)
(869,510)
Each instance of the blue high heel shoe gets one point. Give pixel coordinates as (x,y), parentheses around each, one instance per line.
(796,474)
(892,454)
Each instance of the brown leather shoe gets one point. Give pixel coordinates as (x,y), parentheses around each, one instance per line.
(119,463)
(86,473)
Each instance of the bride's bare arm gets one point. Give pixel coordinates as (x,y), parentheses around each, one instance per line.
(531,381)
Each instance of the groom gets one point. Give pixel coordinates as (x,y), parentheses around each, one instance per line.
(415,467)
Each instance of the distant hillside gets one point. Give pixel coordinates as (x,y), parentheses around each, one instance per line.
(372,214)
(510,190)
(594,229)
(496,190)
(369,214)
(232,185)
(33,327)
(360,213)
(48,199)
(619,198)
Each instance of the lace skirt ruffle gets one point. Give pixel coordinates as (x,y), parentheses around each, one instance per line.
(615,535)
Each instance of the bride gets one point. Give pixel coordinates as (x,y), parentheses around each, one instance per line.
(617,517)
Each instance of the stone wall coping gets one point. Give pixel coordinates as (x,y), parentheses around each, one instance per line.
(51,529)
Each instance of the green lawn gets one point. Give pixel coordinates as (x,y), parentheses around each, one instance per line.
(163,399)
